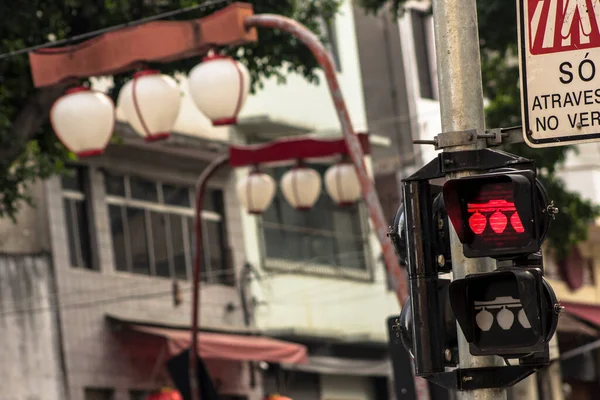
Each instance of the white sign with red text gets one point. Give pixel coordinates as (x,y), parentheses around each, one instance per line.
(559,49)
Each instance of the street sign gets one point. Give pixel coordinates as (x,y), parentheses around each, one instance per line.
(559,50)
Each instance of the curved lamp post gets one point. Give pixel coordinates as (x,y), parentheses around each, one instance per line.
(256,192)
(353,149)
(148,42)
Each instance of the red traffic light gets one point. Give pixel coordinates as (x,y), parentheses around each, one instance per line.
(499,215)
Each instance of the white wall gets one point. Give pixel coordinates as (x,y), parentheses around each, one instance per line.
(30,355)
(581,172)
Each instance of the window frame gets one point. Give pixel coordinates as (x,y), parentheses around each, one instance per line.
(423,52)
(186,215)
(70,197)
(273,264)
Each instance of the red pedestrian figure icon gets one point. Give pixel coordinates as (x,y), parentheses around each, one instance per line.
(563,25)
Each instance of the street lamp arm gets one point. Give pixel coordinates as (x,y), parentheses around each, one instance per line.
(207,173)
(352,141)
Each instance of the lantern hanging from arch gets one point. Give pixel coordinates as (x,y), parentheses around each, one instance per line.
(219,86)
(83,120)
(301,187)
(151,102)
(341,183)
(255,191)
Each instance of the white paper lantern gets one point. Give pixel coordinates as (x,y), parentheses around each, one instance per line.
(83,120)
(342,185)
(255,191)
(150,102)
(301,187)
(219,86)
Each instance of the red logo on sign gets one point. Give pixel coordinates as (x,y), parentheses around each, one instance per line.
(563,25)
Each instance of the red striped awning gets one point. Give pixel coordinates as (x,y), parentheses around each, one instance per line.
(226,346)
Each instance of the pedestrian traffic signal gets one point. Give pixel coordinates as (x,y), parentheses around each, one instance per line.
(509,312)
(502,214)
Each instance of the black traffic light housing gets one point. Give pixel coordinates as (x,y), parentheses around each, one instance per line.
(502,214)
(510,312)
(516,215)
(447,336)
(439,229)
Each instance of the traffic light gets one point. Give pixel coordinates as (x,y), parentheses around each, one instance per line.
(502,214)
(509,312)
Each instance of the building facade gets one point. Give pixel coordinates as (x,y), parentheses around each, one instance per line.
(109,247)
(96,277)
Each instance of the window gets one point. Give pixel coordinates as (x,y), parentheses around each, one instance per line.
(99,394)
(152,226)
(76,217)
(325,236)
(420,21)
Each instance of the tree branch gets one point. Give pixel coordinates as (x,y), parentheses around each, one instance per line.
(29,121)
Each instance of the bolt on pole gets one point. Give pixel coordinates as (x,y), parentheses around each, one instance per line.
(461,103)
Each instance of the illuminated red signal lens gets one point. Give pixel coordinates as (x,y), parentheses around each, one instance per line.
(496,211)
(492,217)
(516,223)
(477,223)
(498,222)
(496,214)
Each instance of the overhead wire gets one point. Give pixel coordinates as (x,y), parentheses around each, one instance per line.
(157,294)
(290,268)
(129,24)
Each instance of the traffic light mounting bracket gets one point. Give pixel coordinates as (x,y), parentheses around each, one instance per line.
(469,160)
(483,378)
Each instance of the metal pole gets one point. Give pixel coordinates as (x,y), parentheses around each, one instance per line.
(208,172)
(369,194)
(461,103)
